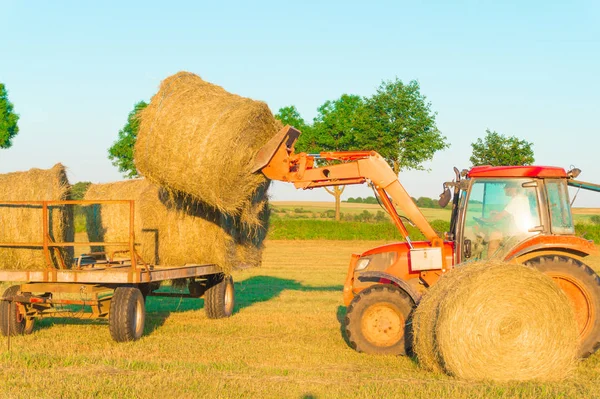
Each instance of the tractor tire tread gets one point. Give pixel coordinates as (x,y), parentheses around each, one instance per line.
(592,343)
(353,315)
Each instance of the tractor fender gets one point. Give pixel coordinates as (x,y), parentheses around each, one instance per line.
(577,247)
(403,285)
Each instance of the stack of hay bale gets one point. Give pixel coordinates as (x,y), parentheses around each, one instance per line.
(24,223)
(496,321)
(199,201)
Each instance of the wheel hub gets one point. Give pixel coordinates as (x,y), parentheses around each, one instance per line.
(580,298)
(383,324)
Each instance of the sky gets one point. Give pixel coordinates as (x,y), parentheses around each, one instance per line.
(529,69)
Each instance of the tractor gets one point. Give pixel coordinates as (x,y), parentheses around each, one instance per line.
(519,214)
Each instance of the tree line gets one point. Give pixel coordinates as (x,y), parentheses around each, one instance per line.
(397,121)
(422,202)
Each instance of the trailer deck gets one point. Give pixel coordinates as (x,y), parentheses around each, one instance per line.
(111,288)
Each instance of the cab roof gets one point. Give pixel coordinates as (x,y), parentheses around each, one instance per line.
(517,171)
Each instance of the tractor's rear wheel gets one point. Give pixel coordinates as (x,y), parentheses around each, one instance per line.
(582,287)
(376,320)
(13,321)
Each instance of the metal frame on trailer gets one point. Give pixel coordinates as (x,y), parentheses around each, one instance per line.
(105,286)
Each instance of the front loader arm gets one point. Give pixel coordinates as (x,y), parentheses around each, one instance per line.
(278,161)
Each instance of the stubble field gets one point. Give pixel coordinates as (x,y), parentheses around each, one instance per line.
(284,340)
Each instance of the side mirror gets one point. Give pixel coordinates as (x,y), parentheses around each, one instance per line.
(445,198)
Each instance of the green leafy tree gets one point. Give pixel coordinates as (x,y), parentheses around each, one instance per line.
(495,149)
(402,126)
(290,116)
(79,189)
(8,119)
(396,121)
(121,152)
(337,127)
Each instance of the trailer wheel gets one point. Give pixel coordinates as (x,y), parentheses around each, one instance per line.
(12,319)
(127,314)
(582,286)
(376,320)
(219,299)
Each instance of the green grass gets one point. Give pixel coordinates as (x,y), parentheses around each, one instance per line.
(299,229)
(283,341)
(306,209)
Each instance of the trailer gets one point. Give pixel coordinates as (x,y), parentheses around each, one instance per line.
(110,285)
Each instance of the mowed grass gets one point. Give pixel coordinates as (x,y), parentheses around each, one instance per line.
(284,341)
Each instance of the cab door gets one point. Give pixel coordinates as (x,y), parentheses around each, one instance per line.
(497,214)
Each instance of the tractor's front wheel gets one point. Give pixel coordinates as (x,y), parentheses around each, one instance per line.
(376,320)
(582,287)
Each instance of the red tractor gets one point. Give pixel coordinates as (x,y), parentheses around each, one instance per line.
(519,214)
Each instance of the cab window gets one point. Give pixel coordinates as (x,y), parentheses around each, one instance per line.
(559,207)
(500,213)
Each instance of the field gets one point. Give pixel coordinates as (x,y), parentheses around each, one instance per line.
(284,340)
(305,209)
(296,209)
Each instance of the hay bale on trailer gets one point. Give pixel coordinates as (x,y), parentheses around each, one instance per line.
(24,223)
(198,139)
(496,321)
(173,230)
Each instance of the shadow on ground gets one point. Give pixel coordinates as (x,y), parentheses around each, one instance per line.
(158,309)
(264,288)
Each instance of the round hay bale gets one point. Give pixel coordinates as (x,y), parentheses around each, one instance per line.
(198,139)
(173,230)
(425,317)
(24,223)
(501,322)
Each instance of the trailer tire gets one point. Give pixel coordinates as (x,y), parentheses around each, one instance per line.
(127,314)
(11,321)
(219,299)
(582,286)
(377,321)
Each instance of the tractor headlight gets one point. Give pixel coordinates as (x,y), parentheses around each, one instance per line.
(376,262)
(362,264)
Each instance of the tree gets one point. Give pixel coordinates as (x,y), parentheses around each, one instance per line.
(424,202)
(290,116)
(78,190)
(8,119)
(121,152)
(496,150)
(403,128)
(337,127)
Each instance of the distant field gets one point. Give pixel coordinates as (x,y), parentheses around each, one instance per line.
(294,208)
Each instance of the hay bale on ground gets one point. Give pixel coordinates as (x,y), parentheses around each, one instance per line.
(172,230)
(198,139)
(496,321)
(20,223)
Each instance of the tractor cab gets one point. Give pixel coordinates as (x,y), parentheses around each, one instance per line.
(496,209)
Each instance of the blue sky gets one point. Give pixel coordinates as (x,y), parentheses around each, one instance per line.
(526,68)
